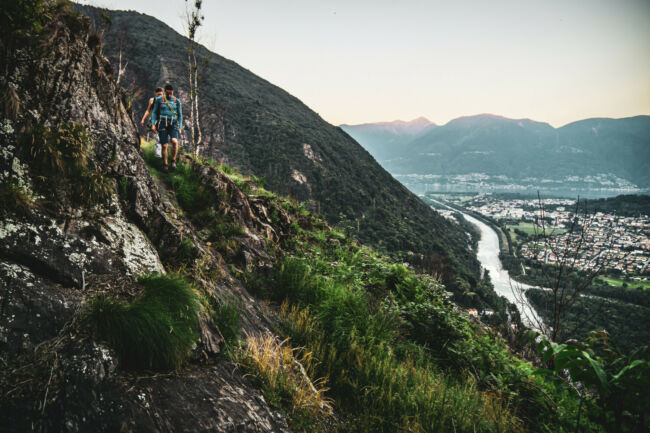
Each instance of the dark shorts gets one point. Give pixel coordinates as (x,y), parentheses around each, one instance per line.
(167,129)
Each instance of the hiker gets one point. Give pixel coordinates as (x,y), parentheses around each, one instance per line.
(147,113)
(167,119)
(158,92)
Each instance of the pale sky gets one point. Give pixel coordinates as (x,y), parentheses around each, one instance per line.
(357,61)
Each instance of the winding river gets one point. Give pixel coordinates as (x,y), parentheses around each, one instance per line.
(488,256)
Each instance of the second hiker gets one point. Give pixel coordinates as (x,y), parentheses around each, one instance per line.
(158,92)
(167,119)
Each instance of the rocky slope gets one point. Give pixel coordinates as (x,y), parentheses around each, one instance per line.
(87,220)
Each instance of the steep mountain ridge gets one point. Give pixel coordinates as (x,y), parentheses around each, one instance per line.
(264,131)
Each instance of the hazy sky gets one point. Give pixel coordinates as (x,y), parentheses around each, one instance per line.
(358,61)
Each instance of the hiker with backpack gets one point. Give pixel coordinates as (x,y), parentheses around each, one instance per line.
(167,120)
(158,92)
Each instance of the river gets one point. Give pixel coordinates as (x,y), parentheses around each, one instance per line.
(488,256)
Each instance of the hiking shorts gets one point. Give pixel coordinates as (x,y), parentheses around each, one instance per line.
(167,129)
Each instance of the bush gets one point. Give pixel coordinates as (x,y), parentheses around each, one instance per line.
(397,353)
(154,332)
(22,17)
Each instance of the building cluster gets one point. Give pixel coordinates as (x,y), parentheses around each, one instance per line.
(525,210)
(604,242)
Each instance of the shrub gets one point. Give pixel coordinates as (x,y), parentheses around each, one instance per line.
(156,331)
(23,17)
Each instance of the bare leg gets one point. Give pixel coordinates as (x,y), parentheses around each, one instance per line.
(164,153)
(174,149)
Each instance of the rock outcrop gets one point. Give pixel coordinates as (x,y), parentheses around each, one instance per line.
(57,254)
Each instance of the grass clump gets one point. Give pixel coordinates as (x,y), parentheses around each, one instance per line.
(192,196)
(227,318)
(65,153)
(14,198)
(379,377)
(281,372)
(156,331)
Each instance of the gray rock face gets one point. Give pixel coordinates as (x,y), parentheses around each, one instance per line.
(57,256)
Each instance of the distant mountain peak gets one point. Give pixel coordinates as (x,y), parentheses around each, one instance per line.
(421,121)
(490,119)
(411,127)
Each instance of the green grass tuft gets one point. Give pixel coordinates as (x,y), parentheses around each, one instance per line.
(64,152)
(227,318)
(192,196)
(157,331)
(15,199)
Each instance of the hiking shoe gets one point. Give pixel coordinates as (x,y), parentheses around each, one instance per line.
(173,167)
(165,170)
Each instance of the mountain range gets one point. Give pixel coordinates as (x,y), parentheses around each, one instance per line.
(608,150)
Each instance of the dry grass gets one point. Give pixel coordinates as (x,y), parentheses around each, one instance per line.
(281,370)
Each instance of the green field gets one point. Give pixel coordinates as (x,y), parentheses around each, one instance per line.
(528,228)
(632,284)
(531,230)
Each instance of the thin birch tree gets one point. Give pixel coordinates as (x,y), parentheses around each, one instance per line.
(194,19)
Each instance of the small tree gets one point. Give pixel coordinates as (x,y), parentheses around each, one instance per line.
(194,19)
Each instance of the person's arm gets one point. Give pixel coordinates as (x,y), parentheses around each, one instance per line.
(148,112)
(154,118)
(180,116)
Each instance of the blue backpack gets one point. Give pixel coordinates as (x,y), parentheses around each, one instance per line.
(170,107)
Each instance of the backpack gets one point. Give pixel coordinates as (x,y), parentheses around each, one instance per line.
(164,99)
